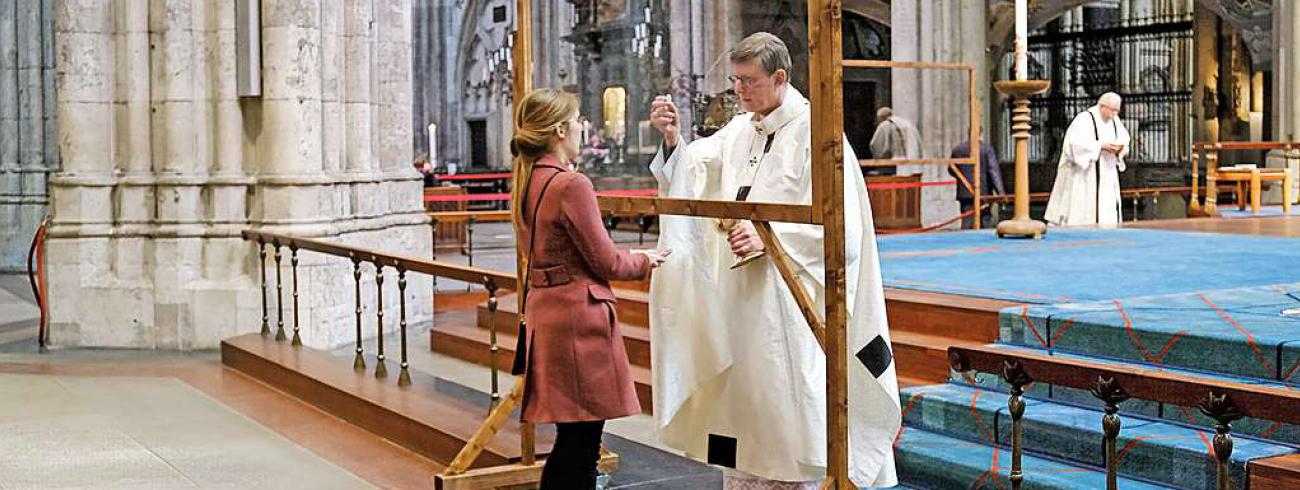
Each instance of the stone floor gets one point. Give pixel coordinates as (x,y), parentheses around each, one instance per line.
(102,419)
(134,432)
(19,315)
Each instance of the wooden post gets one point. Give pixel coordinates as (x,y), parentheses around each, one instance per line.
(776,252)
(1020,225)
(825,82)
(523,50)
(1211,207)
(523,65)
(1194,202)
(976,147)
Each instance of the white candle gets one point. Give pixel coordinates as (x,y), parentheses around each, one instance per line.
(1022,39)
(433,144)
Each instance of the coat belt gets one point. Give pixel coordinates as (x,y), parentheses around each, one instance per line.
(545,277)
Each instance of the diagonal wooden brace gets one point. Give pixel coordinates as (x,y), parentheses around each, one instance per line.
(791,278)
(495,420)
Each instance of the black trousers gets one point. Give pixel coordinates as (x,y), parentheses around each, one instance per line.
(572,463)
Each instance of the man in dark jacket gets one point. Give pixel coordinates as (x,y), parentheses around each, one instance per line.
(990,184)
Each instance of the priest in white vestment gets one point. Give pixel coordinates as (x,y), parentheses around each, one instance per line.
(740,380)
(895,137)
(1087,177)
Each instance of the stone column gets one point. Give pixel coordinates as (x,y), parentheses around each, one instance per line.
(27,153)
(161,156)
(936,100)
(1286,83)
(81,193)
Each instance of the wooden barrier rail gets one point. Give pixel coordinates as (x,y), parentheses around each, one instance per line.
(1222,400)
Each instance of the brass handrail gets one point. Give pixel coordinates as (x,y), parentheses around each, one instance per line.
(1222,400)
(473,275)
(492,281)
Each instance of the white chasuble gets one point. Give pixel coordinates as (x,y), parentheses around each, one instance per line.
(739,378)
(1077,199)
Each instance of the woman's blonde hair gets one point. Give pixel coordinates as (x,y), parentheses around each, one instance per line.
(537,117)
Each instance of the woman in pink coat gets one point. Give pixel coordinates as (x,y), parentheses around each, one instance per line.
(573,358)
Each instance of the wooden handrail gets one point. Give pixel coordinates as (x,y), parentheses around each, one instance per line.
(460,216)
(1246,145)
(1043,196)
(440,269)
(753,211)
(1269,403)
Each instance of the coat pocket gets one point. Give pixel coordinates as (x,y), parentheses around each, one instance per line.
(600,292)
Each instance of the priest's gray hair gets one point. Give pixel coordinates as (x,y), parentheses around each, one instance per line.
(884,113)
(1110,99)
(764,47)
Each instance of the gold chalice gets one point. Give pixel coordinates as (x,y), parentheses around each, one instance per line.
(728,224)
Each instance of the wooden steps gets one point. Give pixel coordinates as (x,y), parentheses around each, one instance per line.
(418,417)
(1277,473)
(923,357)
(922,326)
(472,343)
(943,315)
(633,308)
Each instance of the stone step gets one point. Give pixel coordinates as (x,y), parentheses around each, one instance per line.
(931,460)
(1151,449)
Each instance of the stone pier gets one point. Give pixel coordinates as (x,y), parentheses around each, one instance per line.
(164,165)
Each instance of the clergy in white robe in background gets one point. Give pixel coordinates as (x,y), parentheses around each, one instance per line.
(895,137)
(739,378)
(1094,150)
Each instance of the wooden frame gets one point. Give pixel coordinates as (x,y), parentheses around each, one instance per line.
(826,75)
(976,146)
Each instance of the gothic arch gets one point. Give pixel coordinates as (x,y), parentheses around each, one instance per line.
(876,10)
(1253,18)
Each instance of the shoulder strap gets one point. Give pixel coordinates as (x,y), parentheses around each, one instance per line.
(1095,134)
(532,240)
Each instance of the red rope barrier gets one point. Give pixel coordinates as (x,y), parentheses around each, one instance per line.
(925,229)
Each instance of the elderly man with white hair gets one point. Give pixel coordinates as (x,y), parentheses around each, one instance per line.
(895,137)
(1087,177)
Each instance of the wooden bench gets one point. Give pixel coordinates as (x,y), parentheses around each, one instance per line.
(1255,178)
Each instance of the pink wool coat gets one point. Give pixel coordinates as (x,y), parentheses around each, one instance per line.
(577,367)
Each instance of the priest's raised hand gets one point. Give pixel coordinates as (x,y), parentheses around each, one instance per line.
(663,116)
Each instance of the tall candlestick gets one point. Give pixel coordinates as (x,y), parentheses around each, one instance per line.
(1022,40)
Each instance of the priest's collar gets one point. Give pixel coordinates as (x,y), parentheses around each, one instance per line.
(552,162)
(793,104)
(1096,111)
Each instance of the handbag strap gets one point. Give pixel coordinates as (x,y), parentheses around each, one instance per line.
(532,240)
